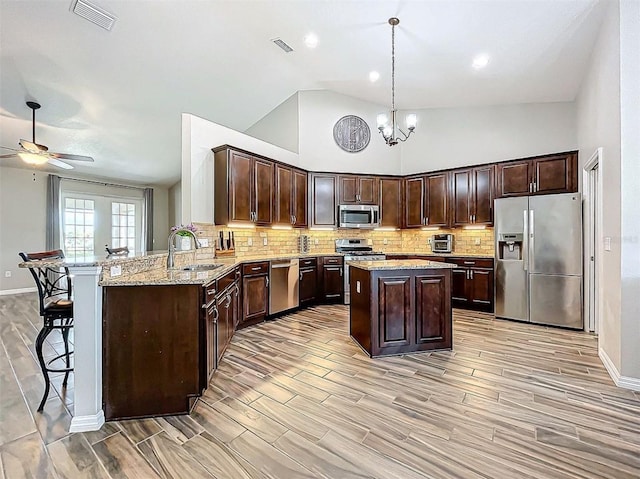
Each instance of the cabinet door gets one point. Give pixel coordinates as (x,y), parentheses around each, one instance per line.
(263,192)
(459,293)
(481,289)
(211,340)
(414,202)
(255,297)
(299,197)
(323,200)
(555,174)
(482,195)
(462,197)
(433,310)
(308,285)
(283,206)
(437,199)
(391,202)
(224,325)
(348,190)
(332,283)
(514,178)
(394,311)
(368,190)
(240,186)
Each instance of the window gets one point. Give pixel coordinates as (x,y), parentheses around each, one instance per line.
(79,226)
(123,222)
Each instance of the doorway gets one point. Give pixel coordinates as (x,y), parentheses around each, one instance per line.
(592,189)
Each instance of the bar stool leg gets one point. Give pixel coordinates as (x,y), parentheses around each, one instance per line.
(65,337)
(42,335)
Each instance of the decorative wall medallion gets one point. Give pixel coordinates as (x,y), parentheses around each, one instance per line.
(351,133)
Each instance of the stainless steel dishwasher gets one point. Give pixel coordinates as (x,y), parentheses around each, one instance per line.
(284,282)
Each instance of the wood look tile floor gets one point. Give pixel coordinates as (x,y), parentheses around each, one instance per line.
(296,398)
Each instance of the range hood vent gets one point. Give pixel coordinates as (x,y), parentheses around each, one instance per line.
(93,14)
(282,45)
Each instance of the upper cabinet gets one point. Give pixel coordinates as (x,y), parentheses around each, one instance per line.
(472,196)
(322,198)
(243,187)
(427,200)
(390,202)
(290,202)
(538,176)
(361,190)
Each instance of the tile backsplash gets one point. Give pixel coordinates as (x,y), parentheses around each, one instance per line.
(467,241)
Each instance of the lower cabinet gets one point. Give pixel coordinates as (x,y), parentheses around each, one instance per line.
(308,286)
(332,279)
(473,284)
(255,293)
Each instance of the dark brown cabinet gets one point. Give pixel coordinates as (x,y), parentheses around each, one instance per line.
(472,284)
(332,279)
(358,189)
(539,175)
(323,196)
(255,293)
(244,187)
(390,202)
(308,286)
(290,204)
(427,200)
(472,196)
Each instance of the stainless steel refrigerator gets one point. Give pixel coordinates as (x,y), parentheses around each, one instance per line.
(538,263)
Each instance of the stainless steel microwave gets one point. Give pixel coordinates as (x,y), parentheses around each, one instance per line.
(359,216)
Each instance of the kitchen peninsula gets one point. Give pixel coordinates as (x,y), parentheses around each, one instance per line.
(400,306)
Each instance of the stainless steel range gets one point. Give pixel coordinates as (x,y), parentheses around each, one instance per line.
(355,250)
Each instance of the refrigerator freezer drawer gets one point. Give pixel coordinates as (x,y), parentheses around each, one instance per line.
(556,300)
(511,290)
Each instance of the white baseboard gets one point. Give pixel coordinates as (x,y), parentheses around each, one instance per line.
(626,382)
(6,292)
(87,423)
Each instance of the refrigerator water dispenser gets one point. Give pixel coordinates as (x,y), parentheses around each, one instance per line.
(510,246)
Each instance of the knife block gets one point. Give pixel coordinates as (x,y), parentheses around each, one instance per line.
(225,253)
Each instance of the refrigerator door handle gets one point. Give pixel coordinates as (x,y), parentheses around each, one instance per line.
(531,232)
(525,237)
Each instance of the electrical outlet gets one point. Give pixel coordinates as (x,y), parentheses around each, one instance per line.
(264,241)
(249,241)
(477,242)
(385,241)
(204,242)
(316,241)
(115,271)
(7,274)
(370,242)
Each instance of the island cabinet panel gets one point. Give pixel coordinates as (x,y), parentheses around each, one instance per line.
(151,339)
(394,309)
(433,310)
(400,311)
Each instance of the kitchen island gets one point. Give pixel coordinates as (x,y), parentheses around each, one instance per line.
(400,306)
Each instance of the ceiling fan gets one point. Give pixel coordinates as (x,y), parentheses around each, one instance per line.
(34,154)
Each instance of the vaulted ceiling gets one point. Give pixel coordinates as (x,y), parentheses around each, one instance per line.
(117,95)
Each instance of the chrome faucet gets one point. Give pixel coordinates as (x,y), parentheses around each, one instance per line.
(172,246)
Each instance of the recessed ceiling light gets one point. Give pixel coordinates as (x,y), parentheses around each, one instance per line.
(374,76)
(311,40)
(480,61)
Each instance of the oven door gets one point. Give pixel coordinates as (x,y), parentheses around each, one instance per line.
(359,216)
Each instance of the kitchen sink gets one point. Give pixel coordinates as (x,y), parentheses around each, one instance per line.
(201,267)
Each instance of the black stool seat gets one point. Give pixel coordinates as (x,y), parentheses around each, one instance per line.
(56,310)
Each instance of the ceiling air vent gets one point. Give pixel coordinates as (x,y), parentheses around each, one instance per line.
(93,14)
(282,45)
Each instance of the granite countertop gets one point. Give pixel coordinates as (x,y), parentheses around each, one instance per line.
(444,255)
(399,264)
(91,260)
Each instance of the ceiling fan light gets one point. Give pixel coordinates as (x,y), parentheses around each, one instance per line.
(33,159)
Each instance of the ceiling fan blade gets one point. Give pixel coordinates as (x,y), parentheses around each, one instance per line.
(33,147)
(65,156)
(59,164)
(11,155)
(7,148)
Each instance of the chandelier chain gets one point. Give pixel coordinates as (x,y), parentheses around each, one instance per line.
(393,67)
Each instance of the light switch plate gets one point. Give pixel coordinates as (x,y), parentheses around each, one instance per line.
(115,270)
(385,241)
(607,243)
(249,241)
(477,242)
(315,241)
(204,242)
(264,241)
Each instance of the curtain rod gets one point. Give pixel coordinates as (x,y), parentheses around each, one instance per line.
(103,183)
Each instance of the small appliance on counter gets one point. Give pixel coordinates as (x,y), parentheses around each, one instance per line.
(442,243)
(303,244)
(355,250)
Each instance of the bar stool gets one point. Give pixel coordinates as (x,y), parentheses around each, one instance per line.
(56,309)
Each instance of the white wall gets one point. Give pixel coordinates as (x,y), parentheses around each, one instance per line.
(175,204)
(455,137)
(319,112)
(22,222)
(279,126)
(598,120)
(198,137)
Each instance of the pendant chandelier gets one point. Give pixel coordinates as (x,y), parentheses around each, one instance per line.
(391,132)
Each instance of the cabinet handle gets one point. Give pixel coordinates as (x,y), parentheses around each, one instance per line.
(340,271)
(535,186)
(426,220)
(210,292)
(467,272)
(530,187)
(237,290)
(300,275)
(256,268)
(469,262)
(215,314)
(267,281)
(471,274)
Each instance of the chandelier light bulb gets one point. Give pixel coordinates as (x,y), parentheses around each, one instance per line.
(412,121)
(382,120)
(387,131)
